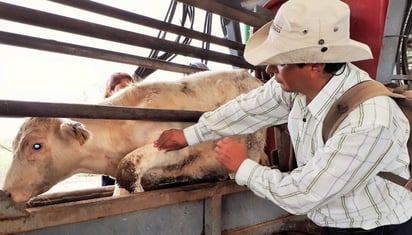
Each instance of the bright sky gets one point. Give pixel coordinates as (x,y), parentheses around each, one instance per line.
(33,75)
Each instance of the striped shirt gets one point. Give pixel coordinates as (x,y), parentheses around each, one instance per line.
(336,182)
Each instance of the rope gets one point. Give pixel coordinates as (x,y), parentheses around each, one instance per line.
(4,147)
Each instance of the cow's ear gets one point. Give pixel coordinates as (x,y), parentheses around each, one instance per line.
(77,130)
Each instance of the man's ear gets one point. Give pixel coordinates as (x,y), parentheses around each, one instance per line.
(318,67)
(76,130)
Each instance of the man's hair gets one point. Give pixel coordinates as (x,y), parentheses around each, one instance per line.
(116,78)
(333,67)
(329,67)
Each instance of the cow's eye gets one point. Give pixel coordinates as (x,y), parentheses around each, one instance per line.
(36,146)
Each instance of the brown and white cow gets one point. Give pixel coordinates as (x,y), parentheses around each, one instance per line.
(49,150)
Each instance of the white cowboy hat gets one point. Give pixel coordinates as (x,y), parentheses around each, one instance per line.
(306,31)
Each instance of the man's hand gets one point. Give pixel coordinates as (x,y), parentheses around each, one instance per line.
(170,140)
(230,153)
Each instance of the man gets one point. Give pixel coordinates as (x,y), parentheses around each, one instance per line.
(308,49)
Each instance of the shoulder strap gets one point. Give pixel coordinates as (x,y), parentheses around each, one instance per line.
(349,101)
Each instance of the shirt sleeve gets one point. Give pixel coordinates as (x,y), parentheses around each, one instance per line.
(260,108)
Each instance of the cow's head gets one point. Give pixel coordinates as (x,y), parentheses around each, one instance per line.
(39,161)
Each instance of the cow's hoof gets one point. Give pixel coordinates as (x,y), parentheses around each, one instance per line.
(118,191)
(138,188)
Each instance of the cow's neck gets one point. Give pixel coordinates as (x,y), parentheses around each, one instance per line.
(106,147)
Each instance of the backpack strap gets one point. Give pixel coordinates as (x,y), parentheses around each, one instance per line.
(347,103)
(351,99)
(407,183)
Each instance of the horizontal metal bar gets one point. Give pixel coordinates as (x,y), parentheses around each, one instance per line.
(71,196)
(90,52)
(13,108)
(149,22)
(231,11)
(66,24)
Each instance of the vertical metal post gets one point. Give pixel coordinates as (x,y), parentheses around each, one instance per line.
(213,215)
(233,33)
(387,57)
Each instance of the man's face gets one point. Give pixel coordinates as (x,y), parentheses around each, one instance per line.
(291,77)
(124,82)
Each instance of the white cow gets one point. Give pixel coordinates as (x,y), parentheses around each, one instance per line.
(49,150)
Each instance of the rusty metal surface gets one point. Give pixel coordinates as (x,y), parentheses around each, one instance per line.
(213,215)
(9,209)
(285,225)
(75,212)
(14,108)
(210,208)
(231,10)
(183,218)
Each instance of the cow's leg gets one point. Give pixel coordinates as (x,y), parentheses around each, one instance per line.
(192,170)
(195,162)
(136,163)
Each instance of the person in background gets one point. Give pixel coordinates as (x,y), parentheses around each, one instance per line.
(307,47)
(116,82)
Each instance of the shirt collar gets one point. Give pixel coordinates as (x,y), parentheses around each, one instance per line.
(335,88)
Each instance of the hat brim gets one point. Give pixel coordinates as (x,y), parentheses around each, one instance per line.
(260,50)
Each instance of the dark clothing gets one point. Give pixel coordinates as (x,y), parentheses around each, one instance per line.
(396,229)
